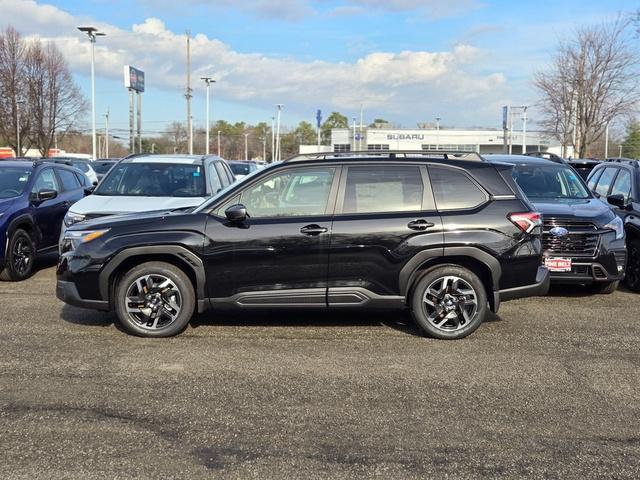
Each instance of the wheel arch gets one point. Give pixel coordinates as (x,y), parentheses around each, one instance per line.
(175,255)
(479,262)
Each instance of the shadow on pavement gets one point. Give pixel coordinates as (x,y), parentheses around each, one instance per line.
(82,316)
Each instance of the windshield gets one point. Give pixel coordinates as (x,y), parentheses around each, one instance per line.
(210,201)
(549,181)
(243,168)
(153,180)
(13,181)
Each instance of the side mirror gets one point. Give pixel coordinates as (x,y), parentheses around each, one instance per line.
(46,194)
(89,190)
(95,184)
(617,200)
(236,213)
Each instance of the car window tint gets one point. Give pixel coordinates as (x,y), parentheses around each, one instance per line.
(294,192)
(622,185)
(383,189)
(69,179)
(222,174)
(454,189)
(46,180)
(602,187)
(214,179)
(591,183)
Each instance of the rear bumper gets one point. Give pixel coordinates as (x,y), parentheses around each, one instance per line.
(540,287)
(68,293)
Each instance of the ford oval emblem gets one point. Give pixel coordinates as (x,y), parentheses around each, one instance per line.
(559,231)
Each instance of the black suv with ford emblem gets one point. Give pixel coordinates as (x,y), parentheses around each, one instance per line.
(445,234)
(583,240)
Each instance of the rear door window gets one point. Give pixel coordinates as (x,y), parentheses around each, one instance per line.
(605,180)
(454,189)
(69,179)
(46,180)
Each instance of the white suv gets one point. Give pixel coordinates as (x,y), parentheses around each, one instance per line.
(153,182)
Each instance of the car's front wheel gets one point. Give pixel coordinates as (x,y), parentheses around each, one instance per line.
(20,257)
(155,299)
(449,302)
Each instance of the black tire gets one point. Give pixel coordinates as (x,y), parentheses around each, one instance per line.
(455,297)
(173,304)
(20,257)
(604,288)
(632,278)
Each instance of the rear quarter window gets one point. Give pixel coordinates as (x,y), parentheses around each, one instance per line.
(454,189)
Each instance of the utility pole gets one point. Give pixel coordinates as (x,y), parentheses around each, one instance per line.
(606,141)
(354,134)
(438,132)
(264,149)
(92,33)
(132,140)
(139,114)
(106,134)
(620,151)
(273,139)
(278,153)
(188,95)
(208,81)
(218,142)
(246,146)
(524,129)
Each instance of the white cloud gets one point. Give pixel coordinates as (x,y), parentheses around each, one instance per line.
(408,84)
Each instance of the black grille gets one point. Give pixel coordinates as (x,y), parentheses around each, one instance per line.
(582,238)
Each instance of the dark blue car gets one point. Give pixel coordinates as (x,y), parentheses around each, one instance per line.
(34,198)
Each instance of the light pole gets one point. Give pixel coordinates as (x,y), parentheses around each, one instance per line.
(279,105)
(106,134)
(524,129)
(273,138)
(208,81)
(438,132)
(606,141)
(18,147)
(355,145)
(92,33)
(264,149)
(246,146)
(619,151)
(218,142)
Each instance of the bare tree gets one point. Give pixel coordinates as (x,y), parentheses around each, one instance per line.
(593,79)
(56,103)
(13,89)
(177,136)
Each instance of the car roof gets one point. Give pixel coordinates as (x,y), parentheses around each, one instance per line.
(519,159)
(16,163)
(176,159)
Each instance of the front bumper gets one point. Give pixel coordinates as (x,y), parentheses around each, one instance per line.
(607,267)
(68,293)
(539,288)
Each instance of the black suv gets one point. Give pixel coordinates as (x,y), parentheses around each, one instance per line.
(617,181)
(583,240)
(447,235)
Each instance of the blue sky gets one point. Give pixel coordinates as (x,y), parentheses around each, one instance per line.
(407,61)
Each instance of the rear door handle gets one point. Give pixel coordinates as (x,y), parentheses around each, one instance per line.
(313,229)
(419,224)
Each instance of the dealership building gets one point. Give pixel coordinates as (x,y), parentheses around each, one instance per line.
(467,140)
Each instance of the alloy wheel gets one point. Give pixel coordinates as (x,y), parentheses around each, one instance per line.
(153,301)
(450,303)
(22,255)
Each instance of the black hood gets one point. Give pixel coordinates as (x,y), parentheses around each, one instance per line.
(588,209)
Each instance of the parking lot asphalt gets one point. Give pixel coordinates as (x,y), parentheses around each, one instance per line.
(547,389)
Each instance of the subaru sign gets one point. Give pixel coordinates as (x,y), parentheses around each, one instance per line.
(133,78)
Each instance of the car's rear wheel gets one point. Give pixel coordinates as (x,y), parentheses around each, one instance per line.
(449,302)
(20,257)
(155,299)
(632,278)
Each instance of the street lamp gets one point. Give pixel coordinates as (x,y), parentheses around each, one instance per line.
(92,33)
(218,142)
(208,81)
(246,146)
(278,153)
(18,147)
(273,139)
(438,132)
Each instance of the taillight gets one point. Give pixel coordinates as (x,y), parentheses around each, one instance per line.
(526,221)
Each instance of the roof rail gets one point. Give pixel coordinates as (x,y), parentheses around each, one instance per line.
(622,159)
(390,154)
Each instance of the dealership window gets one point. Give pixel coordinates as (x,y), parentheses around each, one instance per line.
(342,147)
(377,146)
(463,147)
(383,189)
(454,190)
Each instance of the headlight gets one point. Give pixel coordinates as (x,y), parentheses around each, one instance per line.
(617,226)
(70,218)
(73,238)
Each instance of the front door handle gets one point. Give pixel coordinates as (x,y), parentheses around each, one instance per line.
(313,229)
(419,224)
